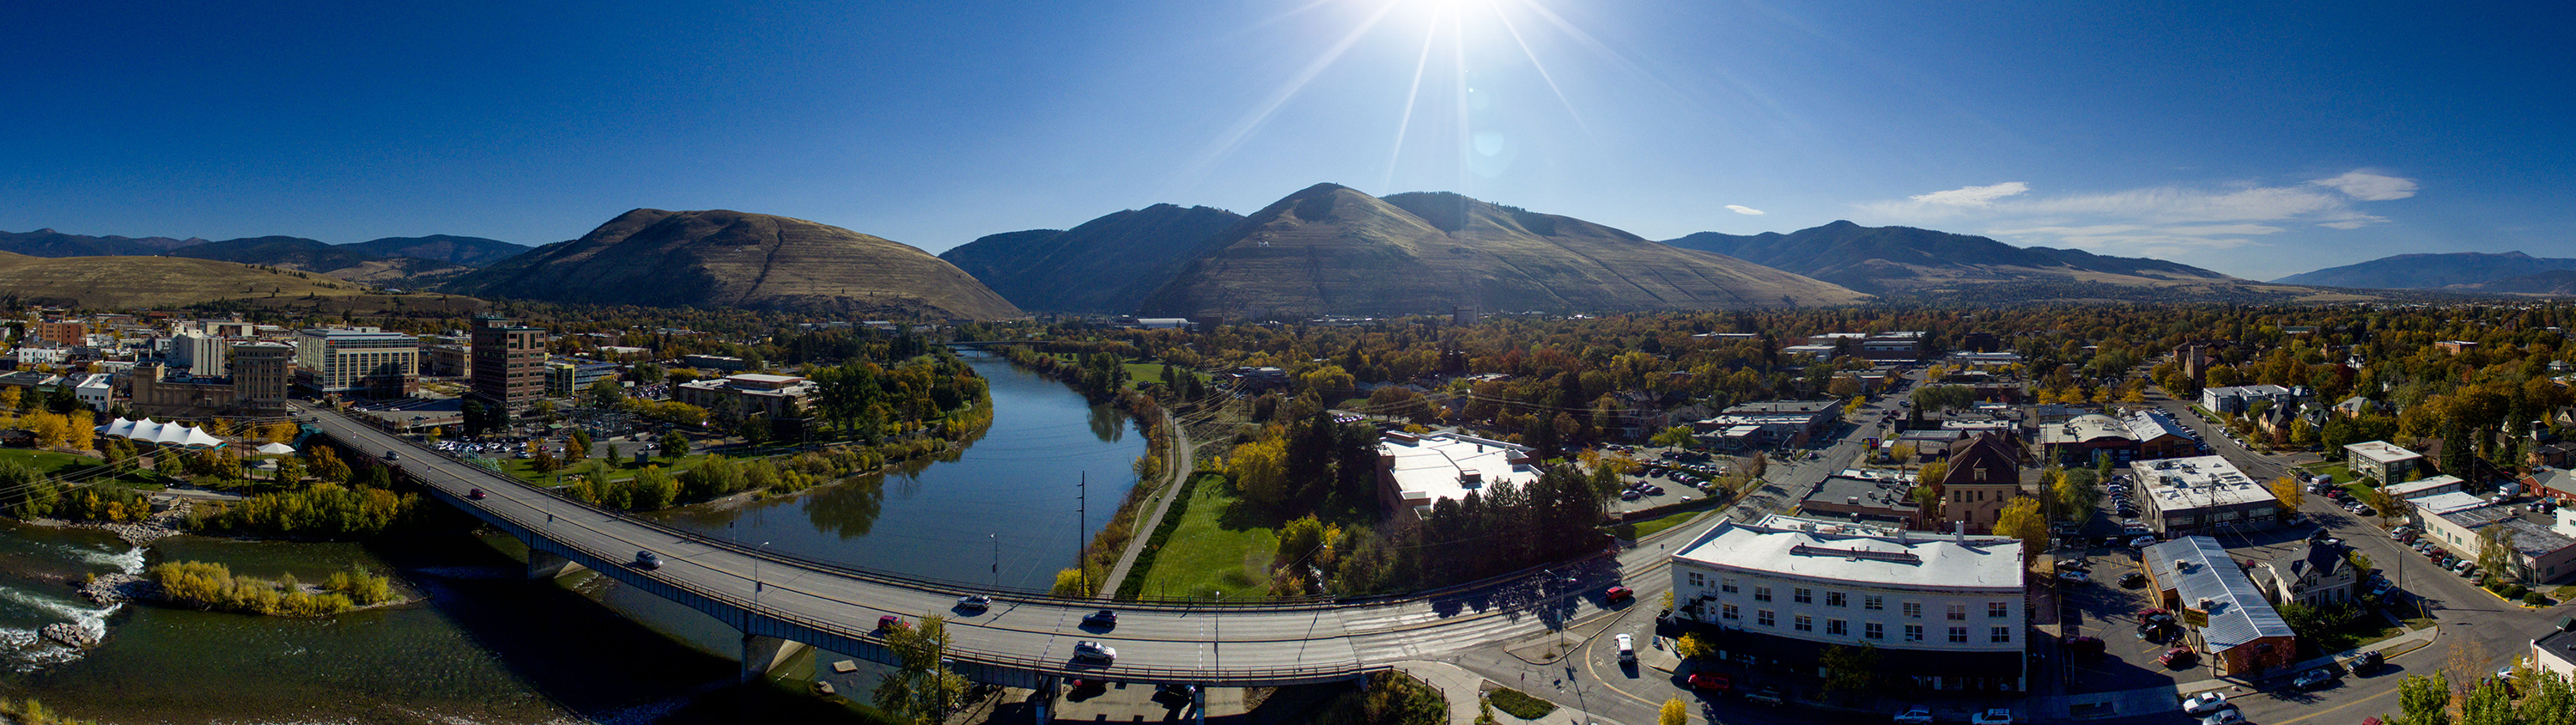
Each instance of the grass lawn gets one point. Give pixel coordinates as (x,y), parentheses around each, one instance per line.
(46,462)
(1152,372)
(1649,527)
(524,468)
(1215,543)
(2337,471)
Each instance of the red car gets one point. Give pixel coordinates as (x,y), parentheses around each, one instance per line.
(2177,657)
(474,493)
(889,622)
(1711,682)
(1615,595)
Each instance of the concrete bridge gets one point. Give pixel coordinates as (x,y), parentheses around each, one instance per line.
(781,603)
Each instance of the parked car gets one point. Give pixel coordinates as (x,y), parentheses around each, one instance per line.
(2364,663)
(2312,679)
(2087,646)
(1768,695)
(2073,577)
(2177,658)
(1997,716)
(2381,589)
(2133,580)
(1710,681)
(2364,511)
(2142,542)
(2074,565)
(1615,595)
(2230,716)
(2205,703)
(1916,716)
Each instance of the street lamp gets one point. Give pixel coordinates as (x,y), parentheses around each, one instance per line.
(756,555)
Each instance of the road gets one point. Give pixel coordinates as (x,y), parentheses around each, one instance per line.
(1239,645)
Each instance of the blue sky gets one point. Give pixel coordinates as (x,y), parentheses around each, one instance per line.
(2257,139)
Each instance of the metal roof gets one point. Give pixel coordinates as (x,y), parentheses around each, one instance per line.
(2198,568)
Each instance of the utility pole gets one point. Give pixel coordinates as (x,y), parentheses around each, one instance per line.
(1081,523)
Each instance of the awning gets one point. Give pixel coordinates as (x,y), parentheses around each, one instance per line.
(168,434)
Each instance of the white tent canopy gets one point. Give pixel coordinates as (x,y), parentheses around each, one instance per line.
(276,448)
(168,434)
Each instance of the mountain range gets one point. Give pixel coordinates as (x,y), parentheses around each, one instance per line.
(1105,266)
(2461,270)
(723,258)
(392,261)
(1890,259)
(1331,250)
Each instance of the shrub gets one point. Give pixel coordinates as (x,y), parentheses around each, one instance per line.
(2536,599)
(1520,704)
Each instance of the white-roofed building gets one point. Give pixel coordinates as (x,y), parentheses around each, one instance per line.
(2426,487)
(2234,399)
(1943,611)
(1416,471)
(2200,494)
(2242,633)
(774,396)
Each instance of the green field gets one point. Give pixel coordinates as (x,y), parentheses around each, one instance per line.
(1152,372)
(56,464)
(524,469)
(1214,551)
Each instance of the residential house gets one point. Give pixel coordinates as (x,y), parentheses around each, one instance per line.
(2316,575)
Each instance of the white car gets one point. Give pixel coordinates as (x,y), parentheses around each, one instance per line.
(1090,650)
(2204,703)
(2223,717)
(1916,716)
(1997,716)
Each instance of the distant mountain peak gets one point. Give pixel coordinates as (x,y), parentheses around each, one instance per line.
(1897,258)
(2424,270)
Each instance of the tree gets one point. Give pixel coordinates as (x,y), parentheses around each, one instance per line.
(1260,471)
(1692,646)
(578,447)
(2551,699)
(921,689)
(2022,520)
(604,395)
(2421,700)
(1850,670)
(2287,492)
(2490,703)
(1674,437)
(675,444)
(1673,713)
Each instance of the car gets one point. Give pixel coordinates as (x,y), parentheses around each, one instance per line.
(647,560)
(393,456)
(1103,618)
(2133,580)
(2152,615)
(1997,716)
(1916,716)
(1089,650)
(1710,681)
(2312,679)
(1628,496)
(2142,542)
(2205,703)
(1615,595)
(2073,577)
(2230,716)
(474,493)
(2382,588)
(889,622)
(2090,646)
(2177,658)
(1768,695)
(1627,648)
(2365,663)
(2074,565)
(2364,511)
(975,602)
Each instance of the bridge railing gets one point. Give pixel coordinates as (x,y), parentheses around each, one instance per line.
(1026,595)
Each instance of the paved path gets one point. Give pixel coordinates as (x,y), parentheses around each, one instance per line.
(1178,457)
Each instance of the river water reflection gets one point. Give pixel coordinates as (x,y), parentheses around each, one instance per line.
(483,645)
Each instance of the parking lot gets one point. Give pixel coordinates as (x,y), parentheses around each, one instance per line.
(2105,609)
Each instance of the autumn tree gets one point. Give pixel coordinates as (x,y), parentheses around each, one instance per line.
(2021,519)
(921,690)
(2287,492)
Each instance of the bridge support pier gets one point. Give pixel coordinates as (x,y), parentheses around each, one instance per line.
(548,565)
(760,654)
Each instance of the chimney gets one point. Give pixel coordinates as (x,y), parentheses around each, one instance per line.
(1959,531)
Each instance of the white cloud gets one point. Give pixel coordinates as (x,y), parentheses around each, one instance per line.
(2368,186)
(1976,196)
(2148,221)
(1745,210)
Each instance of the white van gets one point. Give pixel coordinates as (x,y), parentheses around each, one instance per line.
(1627,650)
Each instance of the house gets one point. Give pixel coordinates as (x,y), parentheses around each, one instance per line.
(2238,398)
(2553,483)
(2357,406)
(2316,575)
(2552,455)
(1984,473)
(2455,347)
(1944,612)
(2243,634)
(2381,461)
(2556,651)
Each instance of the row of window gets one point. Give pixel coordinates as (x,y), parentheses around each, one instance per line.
(1869,630)
(1871,602)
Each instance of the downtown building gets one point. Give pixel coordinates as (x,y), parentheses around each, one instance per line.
(363,362)
(508,363)
(1943,611)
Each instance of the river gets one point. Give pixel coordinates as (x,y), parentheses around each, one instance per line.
(483,645)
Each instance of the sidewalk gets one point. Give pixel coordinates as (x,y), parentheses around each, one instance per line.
(1180,456)
(1464,689)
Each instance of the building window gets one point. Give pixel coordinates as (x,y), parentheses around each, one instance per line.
(1727,611)
(1873,630)
(1914,610)
(1806,623)
(1998,609)
(1698,580)
(1761,594)
(1958,612)
(1726,585)
(2000,634)
(1913,633)
(1873,602)
(1838,628)
(1762,617)
(1959,634)
(1835,599)
(1802,595)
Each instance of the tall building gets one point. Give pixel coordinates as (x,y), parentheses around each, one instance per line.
(509,362)
(261,372)
(68,333)
(200,353)
(361,361)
